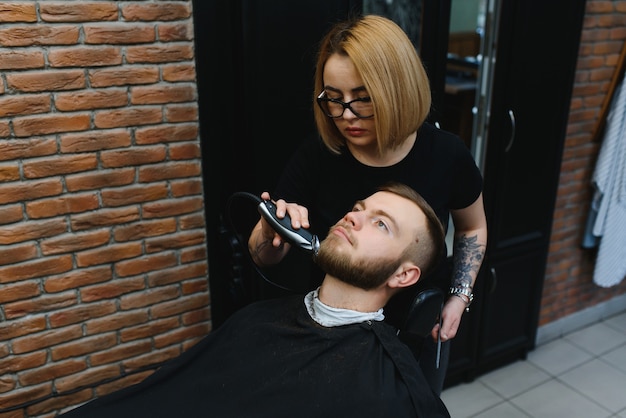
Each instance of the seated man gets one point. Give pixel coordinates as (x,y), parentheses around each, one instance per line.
(328,354)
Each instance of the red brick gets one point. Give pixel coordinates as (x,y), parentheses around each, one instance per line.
(134,116)
(91,99)
(193,221)
(155,357)
(81,313)
(144,229)
(42,81)
(60,164)
(103,217)
(145,264)
(9,172)
(90,56)
(5,130)
(112,289)
(34,269)
(24,105)
(179,240)
(149,329)
(167,133)
(95,140)
(84,11)
(42,125)
(108,254)
(51,372)
(173,170)
(155,11)
(177,274)
(134,194)
(200,285)
(16,364)
(123,76)
(121,352)
(147,54)
(39,304)
(19,149)
(90,376)
(31,230)
(17,253)
(187,151)
(181,113)
(118,33)
(174,32)
(172,207)
(100,179)
(116,321)
(189,255)
(162,93)
(18,12)
(62,205)
(149,297)
(77,278)
(187,187)
(10,214)
(133,156)
(181,334)
(196,317)
(24,395)
(18,328)
(39,35)
(75,242)
(16,59)
(46,339)
(19,291)
(83,346)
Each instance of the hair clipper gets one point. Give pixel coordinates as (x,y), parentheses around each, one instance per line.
(300,238)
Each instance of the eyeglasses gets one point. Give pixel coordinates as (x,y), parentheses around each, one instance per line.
(334,108)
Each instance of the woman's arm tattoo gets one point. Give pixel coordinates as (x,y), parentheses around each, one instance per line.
(468,256)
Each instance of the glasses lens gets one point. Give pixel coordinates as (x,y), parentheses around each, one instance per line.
(362,108)
(334,108)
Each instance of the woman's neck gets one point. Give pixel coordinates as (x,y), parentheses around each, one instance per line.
(371,157)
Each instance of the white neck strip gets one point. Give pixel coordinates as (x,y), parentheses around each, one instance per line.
(327,316)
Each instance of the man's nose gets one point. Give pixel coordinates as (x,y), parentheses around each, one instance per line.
(354,218)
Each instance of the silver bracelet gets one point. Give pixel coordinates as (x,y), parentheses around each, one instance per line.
(463,291)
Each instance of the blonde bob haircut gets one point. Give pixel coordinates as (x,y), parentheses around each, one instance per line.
(392,73)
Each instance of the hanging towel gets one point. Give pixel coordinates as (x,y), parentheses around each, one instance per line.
(609,204)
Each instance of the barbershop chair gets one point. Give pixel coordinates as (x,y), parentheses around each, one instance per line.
(423,313)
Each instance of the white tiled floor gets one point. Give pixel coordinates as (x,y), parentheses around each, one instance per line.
(581,375)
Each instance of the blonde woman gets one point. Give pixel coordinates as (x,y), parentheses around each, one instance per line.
(371,99)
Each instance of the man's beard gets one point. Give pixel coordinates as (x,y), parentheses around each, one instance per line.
(365,274)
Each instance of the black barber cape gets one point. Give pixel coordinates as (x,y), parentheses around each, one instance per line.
(270,359)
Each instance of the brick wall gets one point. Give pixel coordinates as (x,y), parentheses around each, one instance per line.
(568,285)
(103,267)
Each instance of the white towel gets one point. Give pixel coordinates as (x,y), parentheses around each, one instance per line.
(609,179)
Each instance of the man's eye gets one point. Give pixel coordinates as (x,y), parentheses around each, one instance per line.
(381,224)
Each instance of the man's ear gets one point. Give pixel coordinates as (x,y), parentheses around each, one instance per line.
(406,275)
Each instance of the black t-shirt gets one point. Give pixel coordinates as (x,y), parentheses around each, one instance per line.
(440,167)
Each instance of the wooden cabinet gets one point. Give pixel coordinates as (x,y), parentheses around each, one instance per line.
(536,55)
